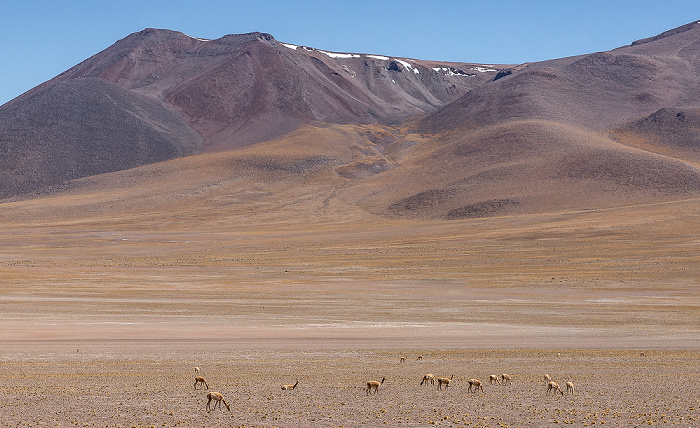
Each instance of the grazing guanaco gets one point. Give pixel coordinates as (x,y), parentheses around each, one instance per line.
(217,398)
(288,387)
(570,387)
(476,384)
(444,381)
(547,378)
(493,379)
(198,380)
(196,370)
(420,357)
(428,378)
(373,385)
(554,388)
(505,379)
(402,359)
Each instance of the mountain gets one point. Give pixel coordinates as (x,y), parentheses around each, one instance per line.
(230,92)
(267,125)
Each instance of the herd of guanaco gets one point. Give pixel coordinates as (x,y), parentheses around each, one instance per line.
(372,386)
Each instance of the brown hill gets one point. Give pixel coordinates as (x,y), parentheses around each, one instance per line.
(525,166)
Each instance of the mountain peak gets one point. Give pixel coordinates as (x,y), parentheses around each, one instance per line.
(248,37)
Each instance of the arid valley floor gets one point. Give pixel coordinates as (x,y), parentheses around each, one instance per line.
(104,317)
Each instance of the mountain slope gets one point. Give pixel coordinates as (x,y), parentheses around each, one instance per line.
(674,132)
(596,91)
(83,127)
(540,135)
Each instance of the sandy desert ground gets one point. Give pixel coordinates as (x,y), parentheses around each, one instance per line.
(104,318)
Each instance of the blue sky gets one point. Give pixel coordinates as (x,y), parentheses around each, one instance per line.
(40,39)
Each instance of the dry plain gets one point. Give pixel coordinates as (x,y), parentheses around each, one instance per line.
(105,314)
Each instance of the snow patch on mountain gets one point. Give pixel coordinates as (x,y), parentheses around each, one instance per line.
(451,71)
(408,66)
(339,55)
(197,38)
(483,69)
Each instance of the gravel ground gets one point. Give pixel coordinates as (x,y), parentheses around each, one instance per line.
(131,384)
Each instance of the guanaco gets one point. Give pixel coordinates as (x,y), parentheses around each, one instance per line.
(198,380)
(505,379)
(373,384)
(217,398)
(476,384)
(288,387)
(444,381)
(428,378)
(554,388)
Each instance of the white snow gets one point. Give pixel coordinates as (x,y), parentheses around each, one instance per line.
(450,71)
(197,38)
(404,63)
(483,69)
(444,70)
(408,66)
(348,55)
(340,55)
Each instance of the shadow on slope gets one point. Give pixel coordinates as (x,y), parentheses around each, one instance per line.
(670,131)
(84,127)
